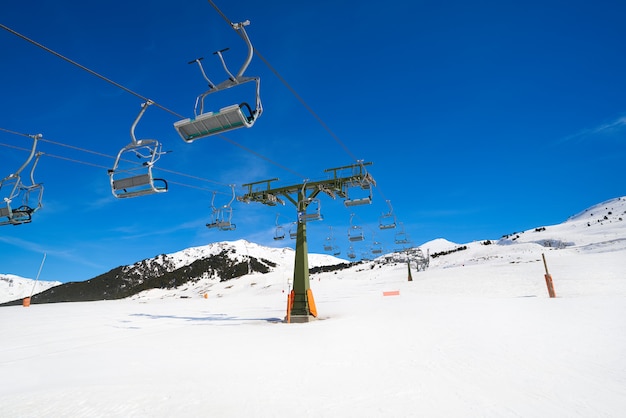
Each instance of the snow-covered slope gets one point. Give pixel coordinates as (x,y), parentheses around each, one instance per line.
(15,287)
(474,335)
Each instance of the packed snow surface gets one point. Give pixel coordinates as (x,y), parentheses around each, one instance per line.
(475,335)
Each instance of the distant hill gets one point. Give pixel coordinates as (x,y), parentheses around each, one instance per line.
(218,261)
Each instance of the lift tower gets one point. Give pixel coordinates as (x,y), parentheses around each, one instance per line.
(302,195)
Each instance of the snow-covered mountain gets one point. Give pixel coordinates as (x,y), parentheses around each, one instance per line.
(210,269)
(14,287)
(211,263)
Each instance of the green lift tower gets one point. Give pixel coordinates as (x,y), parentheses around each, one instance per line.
(341,180)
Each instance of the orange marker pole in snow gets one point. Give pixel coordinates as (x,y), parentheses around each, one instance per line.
(548,278)
(290,297)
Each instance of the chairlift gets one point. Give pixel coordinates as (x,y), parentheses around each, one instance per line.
(336,251)
(329,243)
(401,236)
(358,201)
(18,191)
(222,216)
(355,232)
(279,234)
(387,220)
(351,253)
(377,248)
(231,117)
(293,230)
(130,178)
(313,215)
(364,181)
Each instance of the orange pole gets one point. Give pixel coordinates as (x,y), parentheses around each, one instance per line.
(290,298)
(548,277)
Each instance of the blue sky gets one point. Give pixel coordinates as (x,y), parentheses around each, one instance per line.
(480,119)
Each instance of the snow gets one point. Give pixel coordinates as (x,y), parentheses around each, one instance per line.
(14,287)
(474,335)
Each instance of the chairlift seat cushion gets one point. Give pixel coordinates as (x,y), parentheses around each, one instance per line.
(129,182)
(210,123)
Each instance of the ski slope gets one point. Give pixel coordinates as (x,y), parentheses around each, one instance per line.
(474,335)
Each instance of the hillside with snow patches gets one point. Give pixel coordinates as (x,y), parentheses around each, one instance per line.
(473,335)
(15,287)
(600,228)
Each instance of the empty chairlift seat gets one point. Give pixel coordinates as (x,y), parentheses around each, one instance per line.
(235,116)
(16,197)
(131,174)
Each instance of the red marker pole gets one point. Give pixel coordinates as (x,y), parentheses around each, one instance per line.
(548,277)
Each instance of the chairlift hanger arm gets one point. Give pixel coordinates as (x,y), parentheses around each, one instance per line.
(35,138)
(144,107)
(241,28)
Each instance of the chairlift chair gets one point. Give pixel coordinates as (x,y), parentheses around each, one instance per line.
(377,248)
(355,232)
(329,243)
(362,180)
(365,200)
(11,215)
(231,117)
(293,230)
(401,236)
(222,216)
(313,215)
(129,178)
(387,220)
(351,253)
(279,234)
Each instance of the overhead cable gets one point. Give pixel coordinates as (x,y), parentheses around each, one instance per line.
(82,67)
